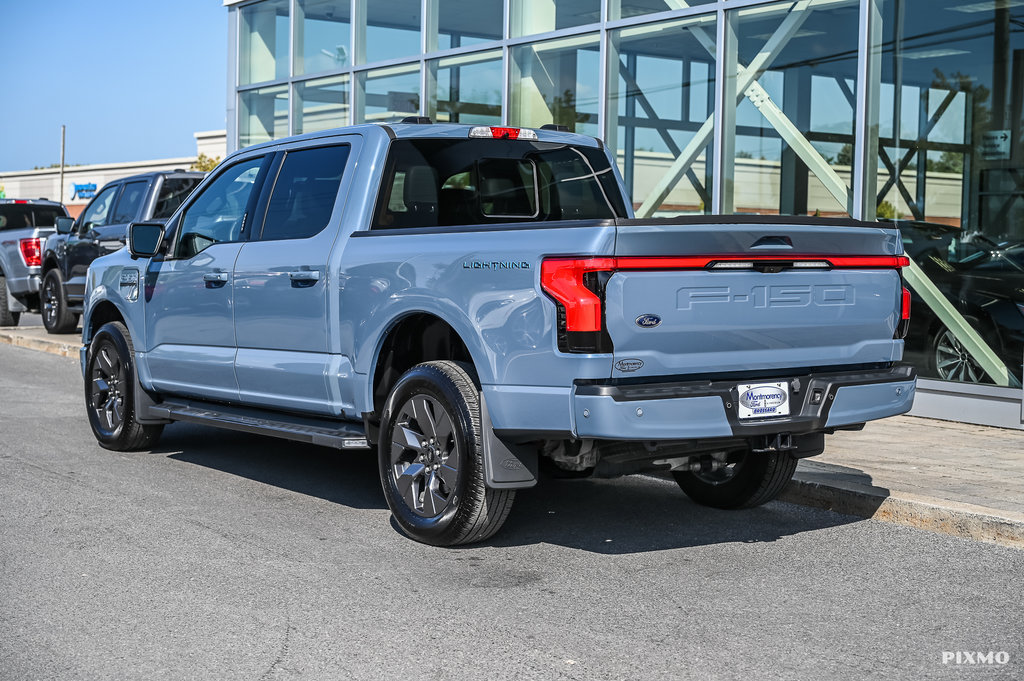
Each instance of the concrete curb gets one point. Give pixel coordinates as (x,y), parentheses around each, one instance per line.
(903,508)
(54,346)
(864,501)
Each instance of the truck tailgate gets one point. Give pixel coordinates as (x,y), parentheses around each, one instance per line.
(709,299)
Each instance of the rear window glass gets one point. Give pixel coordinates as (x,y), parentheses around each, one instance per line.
(27,216)
(304,192)
(173,191)
(438,183)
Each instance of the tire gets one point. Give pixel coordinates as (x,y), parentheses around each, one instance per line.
(53,305)
(438,403)
(949,359)
(755,479)
(110,392)
(7,318)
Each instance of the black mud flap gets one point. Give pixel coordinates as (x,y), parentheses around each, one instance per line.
(506,465)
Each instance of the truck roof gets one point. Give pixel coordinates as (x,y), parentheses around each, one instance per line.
(163,173)
(33,202)
(426,130)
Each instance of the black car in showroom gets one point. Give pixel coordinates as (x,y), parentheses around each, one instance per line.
(984,280)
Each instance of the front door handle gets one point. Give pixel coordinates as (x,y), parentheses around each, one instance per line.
(215,279)
(304,278)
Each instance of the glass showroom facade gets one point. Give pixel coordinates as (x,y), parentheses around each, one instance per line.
(874,109)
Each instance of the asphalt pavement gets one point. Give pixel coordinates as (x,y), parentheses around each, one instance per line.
(228,556)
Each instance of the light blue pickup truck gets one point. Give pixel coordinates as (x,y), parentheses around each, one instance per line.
(479,305)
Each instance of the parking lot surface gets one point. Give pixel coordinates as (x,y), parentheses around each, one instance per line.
(230,556)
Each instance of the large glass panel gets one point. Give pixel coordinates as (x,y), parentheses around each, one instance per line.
(468,89)
(263,42)
(390,94)
(623,9)
(323,32)
(321,104)
(556,82)
(461,23)
(392,30)
(541,16)
(262,115)
(660,104)
(789,142)
(951,170)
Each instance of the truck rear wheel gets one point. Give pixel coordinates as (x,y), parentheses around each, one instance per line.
(110,392)
(7,318)
(54,304)
(752,480)
(431,458)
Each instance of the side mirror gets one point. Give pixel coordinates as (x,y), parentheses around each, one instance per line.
(64,225)
(144,239)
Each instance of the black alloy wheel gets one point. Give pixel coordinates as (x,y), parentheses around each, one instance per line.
(54,304)
(109,392)
(746,480)
(425,456)
(430,455)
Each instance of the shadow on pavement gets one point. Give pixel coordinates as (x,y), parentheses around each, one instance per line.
(634,514)
(638,514)
(348,478)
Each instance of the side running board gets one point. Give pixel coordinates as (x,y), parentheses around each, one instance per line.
(324,432)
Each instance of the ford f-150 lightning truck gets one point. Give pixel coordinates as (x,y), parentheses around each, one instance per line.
(473,302)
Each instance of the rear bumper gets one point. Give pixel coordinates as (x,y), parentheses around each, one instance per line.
(700,409)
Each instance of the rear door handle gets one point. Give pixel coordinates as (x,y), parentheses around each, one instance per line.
(215,279)
(304,278)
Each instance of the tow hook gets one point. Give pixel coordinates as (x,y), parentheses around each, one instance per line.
(779,442)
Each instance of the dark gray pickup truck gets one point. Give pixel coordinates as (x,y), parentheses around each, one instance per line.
(99,230)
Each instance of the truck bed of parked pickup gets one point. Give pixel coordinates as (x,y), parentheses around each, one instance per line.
(479,305)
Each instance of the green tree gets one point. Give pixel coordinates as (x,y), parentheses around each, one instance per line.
(204,163)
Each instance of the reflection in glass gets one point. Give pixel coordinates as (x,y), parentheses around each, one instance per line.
(461,23)
(790,139)
(263,42)
(540,16)
(950,159)
(390,94)
(322,36)
(658,107)
(392,30)
(556,82)
(321,104)
(468,89)
(624,9)
(262,115)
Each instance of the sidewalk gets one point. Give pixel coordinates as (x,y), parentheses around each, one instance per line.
(954,478)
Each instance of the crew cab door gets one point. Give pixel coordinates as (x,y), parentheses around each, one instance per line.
(283,285)
(80,248)
(190,331)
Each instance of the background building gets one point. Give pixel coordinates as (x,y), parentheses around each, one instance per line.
(82,182)
(905,109)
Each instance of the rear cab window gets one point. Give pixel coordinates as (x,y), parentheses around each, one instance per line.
(441,183)
(27,215)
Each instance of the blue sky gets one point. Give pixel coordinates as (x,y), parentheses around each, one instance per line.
(131,79)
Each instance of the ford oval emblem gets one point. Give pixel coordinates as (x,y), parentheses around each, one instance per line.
(648,321)
(763,397)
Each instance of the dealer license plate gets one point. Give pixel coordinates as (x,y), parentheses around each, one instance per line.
(763,400)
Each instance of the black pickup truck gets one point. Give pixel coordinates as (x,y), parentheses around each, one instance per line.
(99,230)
